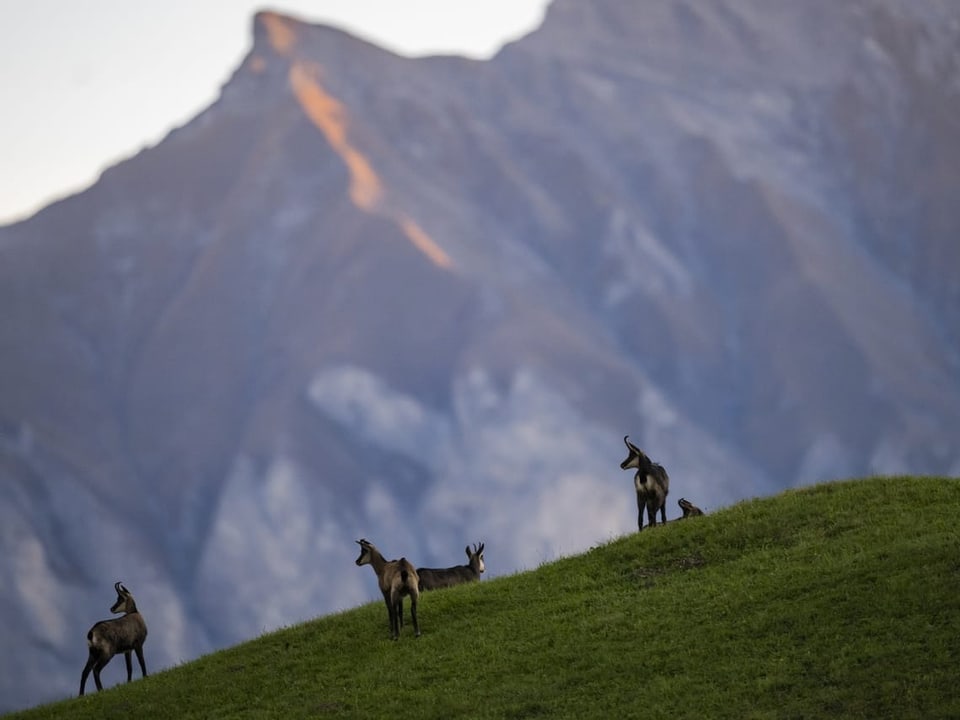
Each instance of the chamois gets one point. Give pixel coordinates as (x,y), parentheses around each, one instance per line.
(436,578)
(118,635)
(651,483)
(689,509)
(396,579)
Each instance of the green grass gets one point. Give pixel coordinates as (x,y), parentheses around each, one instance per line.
(840,600)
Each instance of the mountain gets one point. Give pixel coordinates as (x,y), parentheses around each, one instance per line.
(423,300)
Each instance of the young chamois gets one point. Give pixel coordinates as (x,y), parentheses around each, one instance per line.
(396,578)
(689,509)
(436,578)
(119,635)
(651,483)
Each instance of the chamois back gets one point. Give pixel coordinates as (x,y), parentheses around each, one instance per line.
(437,578)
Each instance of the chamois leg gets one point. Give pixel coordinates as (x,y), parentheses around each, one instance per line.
(143,665)
(394,620)
(639,513)
(413,614)
(128,657)
(394,630)
(100,664)
(91,661)
(391,612)
(400,612)
(651,513)
(663,511)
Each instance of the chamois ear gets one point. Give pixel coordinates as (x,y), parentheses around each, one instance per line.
(480,549)
(467,551)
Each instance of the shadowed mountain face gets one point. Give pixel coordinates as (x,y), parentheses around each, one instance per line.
(422,301)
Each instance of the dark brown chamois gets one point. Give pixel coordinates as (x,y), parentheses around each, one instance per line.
(651,483)
(396,579)
(689,509)
(118,635)
(436,578)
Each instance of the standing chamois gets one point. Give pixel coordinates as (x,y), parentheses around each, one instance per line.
(689,509)
(651,483)
(119,635)
(436,578)
(396,578)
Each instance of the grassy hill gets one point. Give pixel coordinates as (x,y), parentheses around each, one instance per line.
(840,600)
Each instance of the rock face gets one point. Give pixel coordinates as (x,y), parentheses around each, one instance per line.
(422,301)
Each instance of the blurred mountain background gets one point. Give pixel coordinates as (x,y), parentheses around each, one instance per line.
(423,300)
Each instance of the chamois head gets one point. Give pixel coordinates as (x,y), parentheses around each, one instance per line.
(125,603)
(478,554)
(636,457)
(689,509)
(366,551)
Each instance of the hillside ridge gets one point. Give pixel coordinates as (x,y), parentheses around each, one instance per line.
(808,603)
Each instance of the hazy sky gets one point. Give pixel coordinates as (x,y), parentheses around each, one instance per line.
(85,84)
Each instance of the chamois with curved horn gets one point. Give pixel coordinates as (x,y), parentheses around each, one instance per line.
(119,635)
(396,579)
(651,483)
(689,509)
(436,578)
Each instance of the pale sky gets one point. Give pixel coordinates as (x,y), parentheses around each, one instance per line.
(85,84)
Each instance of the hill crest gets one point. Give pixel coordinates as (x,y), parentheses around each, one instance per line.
(811,602)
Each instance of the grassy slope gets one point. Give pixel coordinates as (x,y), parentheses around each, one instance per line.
(841,600)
